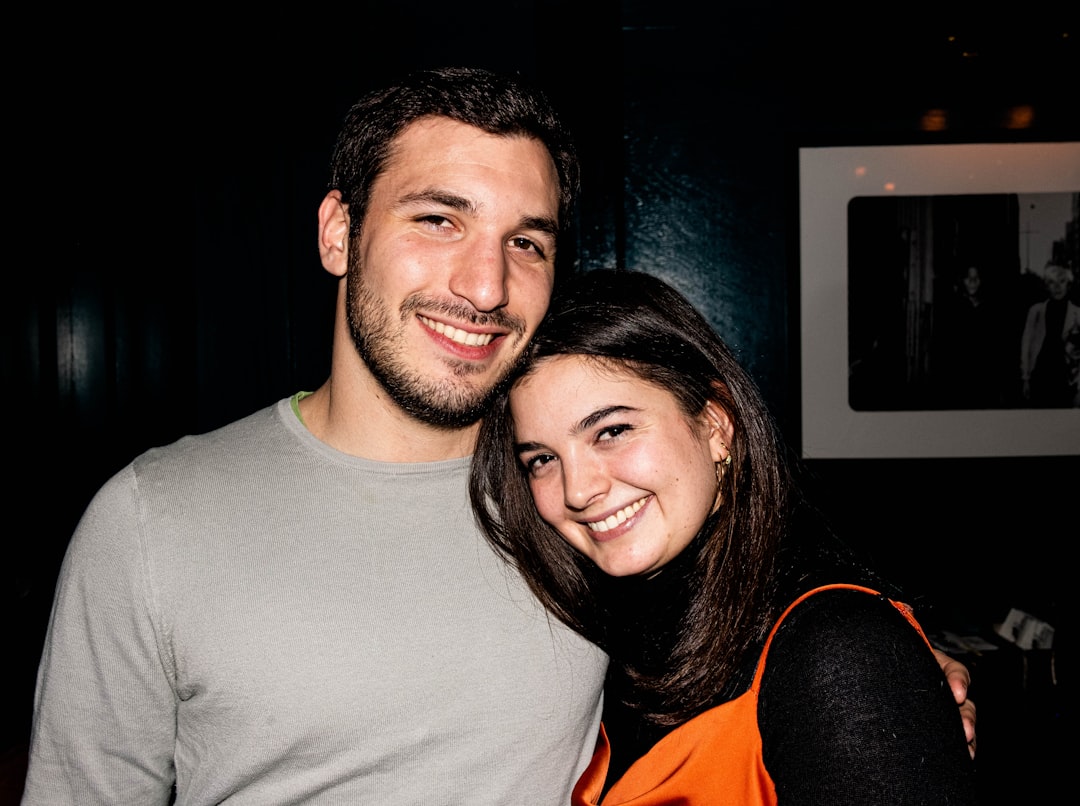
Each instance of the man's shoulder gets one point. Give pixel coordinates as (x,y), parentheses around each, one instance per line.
(246,433)
(232,444)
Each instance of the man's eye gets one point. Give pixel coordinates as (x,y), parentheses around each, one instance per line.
(527,245)
(435,220)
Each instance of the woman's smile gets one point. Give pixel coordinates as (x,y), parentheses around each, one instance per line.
(621,521)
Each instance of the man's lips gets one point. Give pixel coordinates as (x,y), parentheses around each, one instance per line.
(457,335)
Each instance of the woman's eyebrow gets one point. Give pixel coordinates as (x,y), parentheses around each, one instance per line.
(584,424)
(600,414)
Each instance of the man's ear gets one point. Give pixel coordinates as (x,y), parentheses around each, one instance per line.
(334,234)
(721,431)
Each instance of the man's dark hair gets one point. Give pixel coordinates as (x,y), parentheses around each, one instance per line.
(494,103)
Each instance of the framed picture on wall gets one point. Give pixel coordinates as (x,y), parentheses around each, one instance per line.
(939,311)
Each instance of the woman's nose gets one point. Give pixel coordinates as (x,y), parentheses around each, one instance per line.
(584,481)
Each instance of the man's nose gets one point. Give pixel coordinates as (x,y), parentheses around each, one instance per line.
(481,276)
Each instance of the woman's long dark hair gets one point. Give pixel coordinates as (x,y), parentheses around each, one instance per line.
(635,322)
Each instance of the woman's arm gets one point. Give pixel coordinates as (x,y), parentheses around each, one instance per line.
(855,709)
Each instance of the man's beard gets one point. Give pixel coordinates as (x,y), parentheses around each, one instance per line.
(379,341)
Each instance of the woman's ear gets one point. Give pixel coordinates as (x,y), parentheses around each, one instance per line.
(721,431)
(334,234)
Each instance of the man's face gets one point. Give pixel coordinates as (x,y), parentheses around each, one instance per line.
(972,282)
(454,266)
(1057,284)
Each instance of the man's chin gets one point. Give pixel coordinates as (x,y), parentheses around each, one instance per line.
(450,419)
(450,410)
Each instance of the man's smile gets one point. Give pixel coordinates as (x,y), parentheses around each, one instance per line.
(465,337)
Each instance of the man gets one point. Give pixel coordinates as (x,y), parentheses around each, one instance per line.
(298,607)
(1048,344)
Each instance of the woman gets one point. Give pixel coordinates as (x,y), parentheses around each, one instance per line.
(636,478)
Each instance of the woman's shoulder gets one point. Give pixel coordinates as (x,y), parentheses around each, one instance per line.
(840,615)
(851,690)
(843,633)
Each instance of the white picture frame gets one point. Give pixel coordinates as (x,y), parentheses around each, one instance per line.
(830,178)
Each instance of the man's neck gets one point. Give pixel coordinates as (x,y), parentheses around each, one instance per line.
(373,427)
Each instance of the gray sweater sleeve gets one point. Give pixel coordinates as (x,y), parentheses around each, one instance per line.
(104,711)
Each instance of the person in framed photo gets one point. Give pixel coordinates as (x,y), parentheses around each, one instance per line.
(1050,344)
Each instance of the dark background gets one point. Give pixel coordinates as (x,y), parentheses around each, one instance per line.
(163,278)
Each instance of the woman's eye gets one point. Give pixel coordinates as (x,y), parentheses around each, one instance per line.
(536,463)
(611,431)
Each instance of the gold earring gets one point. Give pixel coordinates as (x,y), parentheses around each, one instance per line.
(726,462)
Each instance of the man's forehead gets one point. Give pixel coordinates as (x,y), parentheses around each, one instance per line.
(435,150)
(437,135)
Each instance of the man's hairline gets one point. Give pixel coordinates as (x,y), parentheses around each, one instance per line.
(393,150)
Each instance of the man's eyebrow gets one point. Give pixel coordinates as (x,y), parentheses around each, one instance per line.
(441,197)
(542,224)
(445,198)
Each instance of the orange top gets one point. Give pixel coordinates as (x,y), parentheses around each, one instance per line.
(716,757)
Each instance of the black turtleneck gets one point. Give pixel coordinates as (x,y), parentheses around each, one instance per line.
(642,616)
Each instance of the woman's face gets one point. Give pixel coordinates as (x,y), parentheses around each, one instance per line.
(614,464)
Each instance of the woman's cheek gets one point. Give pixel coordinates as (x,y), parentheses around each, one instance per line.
(543,494)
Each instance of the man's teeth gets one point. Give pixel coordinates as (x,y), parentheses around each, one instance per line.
(611,521)
(460,336)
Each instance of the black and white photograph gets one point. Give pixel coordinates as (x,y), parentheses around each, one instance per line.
(940,309)
(963,302)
